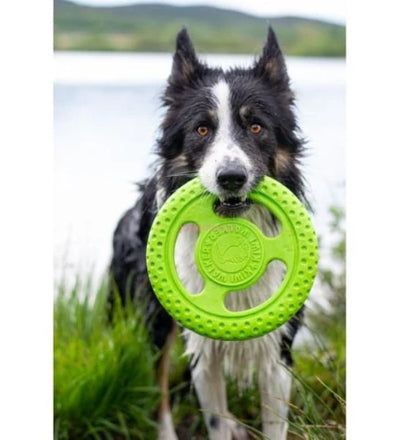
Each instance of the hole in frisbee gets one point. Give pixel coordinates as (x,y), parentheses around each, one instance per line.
(260,291)
(185,264)
(262,217)
(254,212)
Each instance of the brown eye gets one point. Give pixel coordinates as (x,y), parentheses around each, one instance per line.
(202,130)
(255,128)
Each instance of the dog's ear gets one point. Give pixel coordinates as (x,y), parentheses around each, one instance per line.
(186,68)
(185,61)
(271,65)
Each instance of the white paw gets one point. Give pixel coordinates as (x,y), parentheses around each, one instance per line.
(238,431)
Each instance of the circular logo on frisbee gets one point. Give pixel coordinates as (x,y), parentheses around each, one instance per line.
(231,254)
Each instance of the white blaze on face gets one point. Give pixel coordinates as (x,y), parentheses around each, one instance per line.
(224,148)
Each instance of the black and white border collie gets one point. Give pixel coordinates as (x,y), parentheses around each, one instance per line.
(229,128)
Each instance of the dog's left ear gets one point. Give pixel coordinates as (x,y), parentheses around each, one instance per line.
(271,64)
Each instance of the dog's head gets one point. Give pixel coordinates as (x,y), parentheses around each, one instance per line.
(229,127)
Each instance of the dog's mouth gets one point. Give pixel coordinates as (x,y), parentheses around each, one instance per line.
(232,206)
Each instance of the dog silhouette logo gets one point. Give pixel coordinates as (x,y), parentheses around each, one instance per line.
(235,253)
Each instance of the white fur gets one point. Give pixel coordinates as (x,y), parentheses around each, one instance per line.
(184,259)
(238,359)
(224,147)
(160,196)
(275,395)
(166,430)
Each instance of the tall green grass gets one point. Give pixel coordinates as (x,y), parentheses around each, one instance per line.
(104,375)
(104,382)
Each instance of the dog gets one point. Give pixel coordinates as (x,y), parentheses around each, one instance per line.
(229,128)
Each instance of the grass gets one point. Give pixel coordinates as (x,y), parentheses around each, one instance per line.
(104,375)
(104,383)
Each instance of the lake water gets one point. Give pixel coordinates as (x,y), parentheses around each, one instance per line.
(106,113)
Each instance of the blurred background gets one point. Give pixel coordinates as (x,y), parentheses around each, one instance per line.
(111,64)
(111,61)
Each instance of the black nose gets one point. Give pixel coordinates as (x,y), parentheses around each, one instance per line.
(232,178)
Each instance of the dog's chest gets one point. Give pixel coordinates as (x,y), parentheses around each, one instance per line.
(240,358)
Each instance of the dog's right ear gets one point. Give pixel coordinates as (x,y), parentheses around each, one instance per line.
(185,60)
(185,66)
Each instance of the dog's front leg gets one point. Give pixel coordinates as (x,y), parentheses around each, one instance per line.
(210,387)
(275,394)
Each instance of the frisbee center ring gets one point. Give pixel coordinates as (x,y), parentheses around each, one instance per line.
(231,254)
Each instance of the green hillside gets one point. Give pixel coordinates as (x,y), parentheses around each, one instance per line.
(152,27)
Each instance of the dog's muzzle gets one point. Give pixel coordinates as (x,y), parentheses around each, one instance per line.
(231,179)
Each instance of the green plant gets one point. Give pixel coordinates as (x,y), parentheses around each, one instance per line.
(104,384)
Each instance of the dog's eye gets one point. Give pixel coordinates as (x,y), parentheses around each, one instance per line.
(202,130)
(255,128)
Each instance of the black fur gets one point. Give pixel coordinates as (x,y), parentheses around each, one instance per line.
(287,340)
(214,422)
(261,95)
(128,266)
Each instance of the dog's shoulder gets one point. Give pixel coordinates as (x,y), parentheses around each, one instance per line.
(131,232)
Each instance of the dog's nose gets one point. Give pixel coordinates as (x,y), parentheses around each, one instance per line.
(232,178)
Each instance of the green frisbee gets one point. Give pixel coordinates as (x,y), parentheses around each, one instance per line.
(231,254)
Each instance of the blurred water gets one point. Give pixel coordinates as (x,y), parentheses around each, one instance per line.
(106,113)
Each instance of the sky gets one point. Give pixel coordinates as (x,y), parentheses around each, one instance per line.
(331,10)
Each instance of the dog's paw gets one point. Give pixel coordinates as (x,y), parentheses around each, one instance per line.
(238,431)
(164,434)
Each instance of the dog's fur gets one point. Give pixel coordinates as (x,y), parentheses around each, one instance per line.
(232,105)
